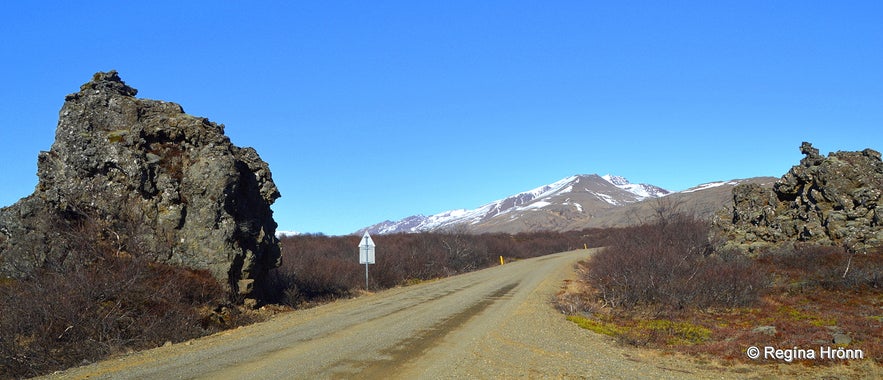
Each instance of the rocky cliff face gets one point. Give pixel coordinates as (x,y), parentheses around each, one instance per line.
(830,200)
(167,182)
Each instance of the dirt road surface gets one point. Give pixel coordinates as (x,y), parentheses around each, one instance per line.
(494,323)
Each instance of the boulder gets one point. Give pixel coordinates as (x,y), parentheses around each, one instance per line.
(831,200)
(766,330)
(155,180)
(840,339)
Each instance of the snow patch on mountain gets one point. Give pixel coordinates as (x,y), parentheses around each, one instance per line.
(643,191)
(558,187)
(606,198)
(539,204)
(710,185)
(616,180)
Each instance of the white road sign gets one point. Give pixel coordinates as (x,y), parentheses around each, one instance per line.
(366,250)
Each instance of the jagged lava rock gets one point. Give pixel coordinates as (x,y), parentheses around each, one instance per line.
(830,200)
(170,181)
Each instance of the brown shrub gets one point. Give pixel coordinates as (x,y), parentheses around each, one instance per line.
(670,265)
(319,267)
(806,267)
(95,301)
(315,267)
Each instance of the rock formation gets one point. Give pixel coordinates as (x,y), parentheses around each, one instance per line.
(830,200)
(163,182)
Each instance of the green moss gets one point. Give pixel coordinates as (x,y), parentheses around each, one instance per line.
(795,314)
(820,322)
(814,320)
(663,330)
(681,332)
(596,326)
(117,135)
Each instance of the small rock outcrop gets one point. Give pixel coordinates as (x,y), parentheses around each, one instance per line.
(161,181)
(830,200)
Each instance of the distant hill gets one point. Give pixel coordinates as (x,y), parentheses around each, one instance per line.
(575,202)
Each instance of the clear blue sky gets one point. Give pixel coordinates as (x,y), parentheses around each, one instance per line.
(374,110)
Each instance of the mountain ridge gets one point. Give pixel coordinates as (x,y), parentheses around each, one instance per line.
(577,201)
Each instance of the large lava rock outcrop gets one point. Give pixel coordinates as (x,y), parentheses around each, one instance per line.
(832,200)
(158,178)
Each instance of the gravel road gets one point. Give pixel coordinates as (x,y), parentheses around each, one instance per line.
(494,323)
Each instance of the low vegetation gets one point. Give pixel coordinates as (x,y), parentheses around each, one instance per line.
(98,300)
(662,285)
(657,285)
(317,268)
(106,297)
(668,266)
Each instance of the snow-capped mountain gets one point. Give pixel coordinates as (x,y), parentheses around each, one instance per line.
(543,207)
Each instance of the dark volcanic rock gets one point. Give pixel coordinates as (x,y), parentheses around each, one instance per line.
(167,182)
(830,200)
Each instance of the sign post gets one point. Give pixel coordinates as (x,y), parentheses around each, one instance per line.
(366,254)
